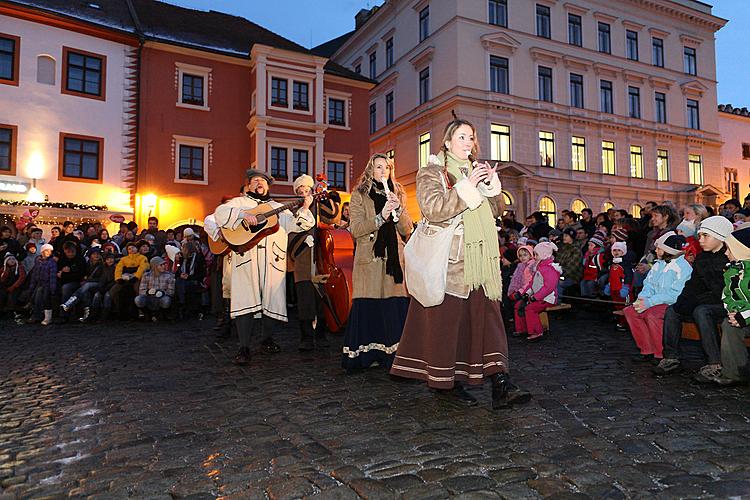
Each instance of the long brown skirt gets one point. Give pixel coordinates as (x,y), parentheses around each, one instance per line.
(461,339)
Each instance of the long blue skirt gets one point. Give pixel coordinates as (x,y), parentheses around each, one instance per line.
(373,332)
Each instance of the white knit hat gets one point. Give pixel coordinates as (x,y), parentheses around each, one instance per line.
(717,226)
(47,246)
(303,180)
(545,249)
(620,245)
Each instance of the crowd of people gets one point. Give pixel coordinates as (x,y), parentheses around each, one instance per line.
(652,273)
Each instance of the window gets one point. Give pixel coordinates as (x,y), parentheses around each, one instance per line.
(608,158)
(300,159)
(605,97)
(192,89)
(543,22)
(80,158)
(7,150)
(576,90)
(336,115)
(545,84)
(498,14)
(607,205)
(605,39)
(547,207)
(191,163)
(657,52)
(337,175)
(578,205)
(373,118)
(424,23)
(635,210)
(500,142)
(636,162)
(373,65)
(389,108)
(546,149)
(632,45)
(689,61)
(745,151)
(662,165)
(278,163)
(389,53)
(83,74)
(45,70)
(424,85)
(695,169)
(9,56)
(424,149)
(733,187)
(661,107)
(279,92)
(358,69)
(578,156)
(575,33)
(507,198)
(391,154)
(300,96)
(499,74)
(634,102)
(694,120)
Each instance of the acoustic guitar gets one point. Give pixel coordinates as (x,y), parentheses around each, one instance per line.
(246,236)
(218,247)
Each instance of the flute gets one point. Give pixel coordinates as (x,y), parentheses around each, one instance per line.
(387,190)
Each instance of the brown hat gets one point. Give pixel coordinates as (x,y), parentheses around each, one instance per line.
(254,172)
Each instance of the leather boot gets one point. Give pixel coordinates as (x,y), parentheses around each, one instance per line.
(505,394)
(321,337)
(306,336)
(243,357)
(457,395)
(222,321)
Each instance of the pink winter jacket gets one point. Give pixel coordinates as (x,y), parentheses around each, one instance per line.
(545,281)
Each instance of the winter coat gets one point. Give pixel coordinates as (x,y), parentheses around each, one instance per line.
(369,279)
(665,281)
(705,284)
(736,293)
(522,276)
(10,246)
(94,272)
(194,266)
(137,263)
(107,278)
(44,274)
(77,265)
(439,206)
(594,264)
(569,258)
(621,273)
(543,286)
(12,278)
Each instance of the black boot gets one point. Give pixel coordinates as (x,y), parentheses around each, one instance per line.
(457,395)
(321,337)
(306,336)
(243,357)
(222,321)
(505,394)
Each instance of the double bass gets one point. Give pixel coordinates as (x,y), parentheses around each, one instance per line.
(334,254)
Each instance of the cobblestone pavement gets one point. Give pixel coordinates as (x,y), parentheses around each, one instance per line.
(158,411)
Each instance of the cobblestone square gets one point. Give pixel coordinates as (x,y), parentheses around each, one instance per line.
(140,410)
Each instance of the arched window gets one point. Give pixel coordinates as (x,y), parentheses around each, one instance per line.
(578,205)
(607,205)
(507,199)
(635,210)
(45,70)
(548,208)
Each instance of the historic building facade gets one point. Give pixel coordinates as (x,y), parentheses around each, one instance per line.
(734,128)
(587,103)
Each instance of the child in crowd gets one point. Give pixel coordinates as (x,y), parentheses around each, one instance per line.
(539,294)
(84,295)
(42,286)
(12,279)
(522,275)
(31,255)
(594,264)
(687,229)
(662,286)
(620,279)
(569,257)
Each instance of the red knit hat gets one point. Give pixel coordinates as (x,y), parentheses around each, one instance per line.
(620,234)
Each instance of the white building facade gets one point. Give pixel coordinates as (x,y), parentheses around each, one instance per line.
(589,103)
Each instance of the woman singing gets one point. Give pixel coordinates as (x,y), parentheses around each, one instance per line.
(463,339)
(379,223)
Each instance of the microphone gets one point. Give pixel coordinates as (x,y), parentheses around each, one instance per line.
(387,190)
(474,163)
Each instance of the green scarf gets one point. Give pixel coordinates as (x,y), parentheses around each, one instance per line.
(481,248)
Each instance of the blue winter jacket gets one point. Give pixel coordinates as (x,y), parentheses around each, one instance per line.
(665,281)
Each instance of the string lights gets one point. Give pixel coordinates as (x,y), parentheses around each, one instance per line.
(50,204)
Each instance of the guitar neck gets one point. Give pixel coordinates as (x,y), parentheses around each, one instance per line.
(290,204)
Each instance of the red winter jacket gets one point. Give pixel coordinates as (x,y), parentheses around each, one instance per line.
(593,264)
(12,279)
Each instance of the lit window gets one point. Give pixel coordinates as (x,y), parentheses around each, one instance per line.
(636,162)
(608,158)
(424,149)
(500,142)
(695,169)
(578,205)
(578,155)
(547,149)
(548,208)
(662,165)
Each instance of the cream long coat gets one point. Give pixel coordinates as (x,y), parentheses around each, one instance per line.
(258,280)
(368,277)
(440,206)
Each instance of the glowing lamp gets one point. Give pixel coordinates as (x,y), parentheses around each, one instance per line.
(149,201)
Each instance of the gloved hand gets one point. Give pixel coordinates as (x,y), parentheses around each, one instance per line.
(624,291)
(607,290)
(515,296)
(529,298)
(159,294)
(152,291)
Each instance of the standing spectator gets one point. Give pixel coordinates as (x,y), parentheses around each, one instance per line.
(156,290)
(189,280)
(521,277)
(569,258)
(700,302)
(645,220)
(509,263)
(731,207)
(12,280)
(128,272)
(582,240)
(661,288)
(42,285)
(510,222)
(587,221)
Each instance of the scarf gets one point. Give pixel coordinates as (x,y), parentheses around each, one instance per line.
(481,248)
(386,243)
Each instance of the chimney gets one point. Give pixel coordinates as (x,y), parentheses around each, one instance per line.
(363,15)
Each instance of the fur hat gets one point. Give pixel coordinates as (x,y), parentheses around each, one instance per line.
(687,228)
(171,251)
(303,180)
(253,172)
(620,234)
(671,243)
(545,249)
(739,243)
(620,245)
(528,248)
(717,226)
(47,246)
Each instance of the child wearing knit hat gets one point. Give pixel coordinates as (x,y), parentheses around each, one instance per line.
(620,278)
(522,275)
(594,264)
(540,294)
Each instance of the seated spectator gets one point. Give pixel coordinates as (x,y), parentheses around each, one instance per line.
(145,249)
(662,286)
(582,240)
(700,302)
(731,207)
(84,295)
(31,255)
(522,275)
(12,281)
(128,237)
(156,290)
(71,270)
(42,286)
(102,300)
(538,295)
(189,278)
(687,229)
(663,220)
(36,237)
(569,258)
(620,278)
(594,265)
(128,272)
(170,238)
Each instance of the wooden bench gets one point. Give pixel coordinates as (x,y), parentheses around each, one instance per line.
(544,317)
(689,330)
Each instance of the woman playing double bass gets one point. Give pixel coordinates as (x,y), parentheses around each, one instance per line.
(463,338)
(380,224)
